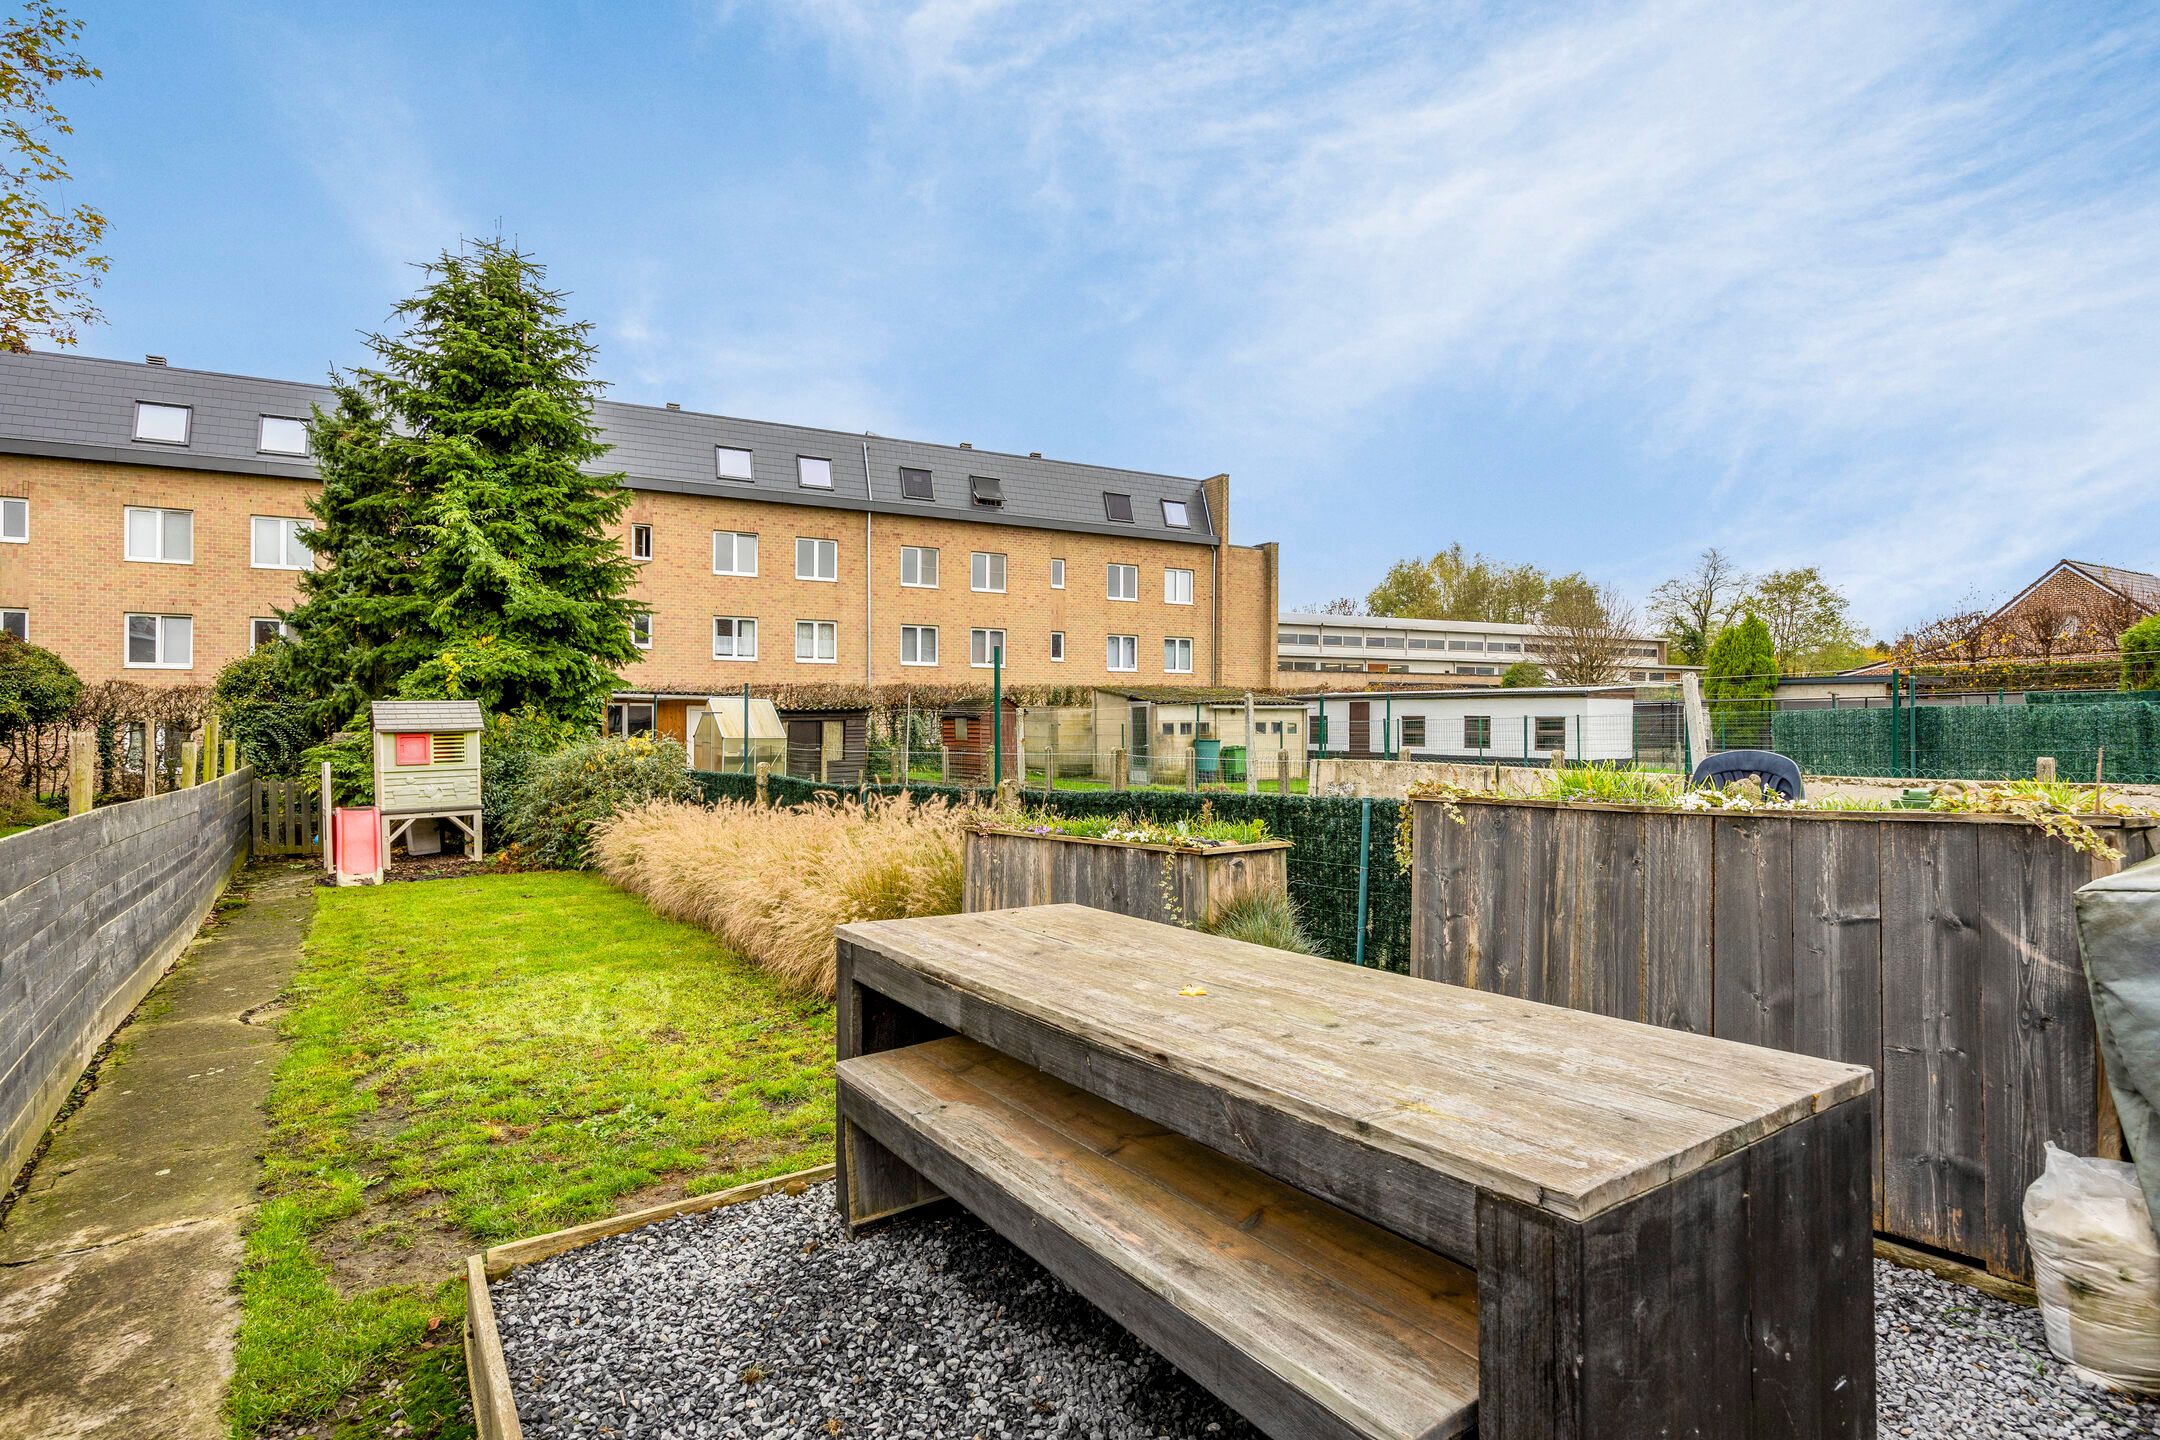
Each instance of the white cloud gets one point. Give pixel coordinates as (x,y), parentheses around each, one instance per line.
(1882,281)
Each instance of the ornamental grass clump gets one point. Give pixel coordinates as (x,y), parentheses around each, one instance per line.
(772,883)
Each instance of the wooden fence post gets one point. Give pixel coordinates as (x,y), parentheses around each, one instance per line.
(1282,772)
(1008,796)
(232,756)
(149,760)
(1049,770)
(190,761)
(213,735)
(1192,769)
(2044,768)
(1120,773)
(82,772)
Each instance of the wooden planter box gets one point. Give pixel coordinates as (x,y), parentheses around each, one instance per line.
(1940,951)
(1179,885)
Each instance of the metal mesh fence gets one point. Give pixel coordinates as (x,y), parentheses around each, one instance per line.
(2109,738)
(1340,847)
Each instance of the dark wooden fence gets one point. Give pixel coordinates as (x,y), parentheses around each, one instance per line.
(1941,951)
(288,818)
(92,909)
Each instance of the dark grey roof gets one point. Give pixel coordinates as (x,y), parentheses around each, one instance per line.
(84,408)
(425,714)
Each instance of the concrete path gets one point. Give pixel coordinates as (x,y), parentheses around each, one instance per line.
(117,1315)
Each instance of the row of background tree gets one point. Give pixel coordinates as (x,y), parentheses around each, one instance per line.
(1584,629)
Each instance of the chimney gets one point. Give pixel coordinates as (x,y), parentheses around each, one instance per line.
(1034,454)
(965,446)
(673,406)
(157,360)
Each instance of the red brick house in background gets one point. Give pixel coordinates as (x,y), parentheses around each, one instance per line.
(2061,630)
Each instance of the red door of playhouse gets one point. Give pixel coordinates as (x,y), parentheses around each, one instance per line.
(357,835)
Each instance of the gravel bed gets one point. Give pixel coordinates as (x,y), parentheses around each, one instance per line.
(763,1320)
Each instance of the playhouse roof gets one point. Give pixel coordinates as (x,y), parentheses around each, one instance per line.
(426,715)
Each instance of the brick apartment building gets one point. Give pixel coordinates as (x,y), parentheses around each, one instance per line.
(149,519)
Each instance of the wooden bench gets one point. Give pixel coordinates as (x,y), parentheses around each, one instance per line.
(1355,1204)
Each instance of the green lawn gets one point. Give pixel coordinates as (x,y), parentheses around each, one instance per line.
(476,1060)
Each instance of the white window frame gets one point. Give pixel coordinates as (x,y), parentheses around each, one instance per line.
(1121,648)
(22,610)
(1057,574)
(979,568)
(127,539)
(187,422)
(820,551)
(813,472)
(918,632)
(641,530)
(917,553)
(1184,517)
(721,454)
(127,646)
(735,540)
(1123,577)
(1177,587)
(16,507)
(635,617)
(1057,647)
(1175,647)
(282,631)
(982,634)
(743,625)
(262,435)
(289,539)
(819,630)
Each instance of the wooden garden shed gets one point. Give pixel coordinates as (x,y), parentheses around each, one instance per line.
(427,768)
(832,745)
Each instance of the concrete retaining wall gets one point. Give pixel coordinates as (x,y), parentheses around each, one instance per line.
(92,910)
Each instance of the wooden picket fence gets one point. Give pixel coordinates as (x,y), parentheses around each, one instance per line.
(288,818)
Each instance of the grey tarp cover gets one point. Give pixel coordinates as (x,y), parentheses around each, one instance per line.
(2119,933)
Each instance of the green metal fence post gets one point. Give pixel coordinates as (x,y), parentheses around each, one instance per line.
(745,723)
(1897,747)
(1364,871)
(997,717)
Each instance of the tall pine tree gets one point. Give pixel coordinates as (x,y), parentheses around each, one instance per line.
(470,553)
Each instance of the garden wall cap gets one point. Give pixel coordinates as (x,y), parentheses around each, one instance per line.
(426,714)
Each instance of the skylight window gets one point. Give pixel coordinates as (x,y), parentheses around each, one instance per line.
(162,424)
(282,435)
(914,484)
(1173,515)
(985,490)
(1117,507)
(730,463)
(813,473)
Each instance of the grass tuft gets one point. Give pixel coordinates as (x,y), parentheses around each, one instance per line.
(772,883)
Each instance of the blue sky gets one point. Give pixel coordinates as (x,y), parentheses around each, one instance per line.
(1874,287)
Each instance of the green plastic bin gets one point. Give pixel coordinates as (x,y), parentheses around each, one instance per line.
(1233,762)
(1208,757)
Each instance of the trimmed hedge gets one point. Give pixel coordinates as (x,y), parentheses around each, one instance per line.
(1979,742)
(1323,831)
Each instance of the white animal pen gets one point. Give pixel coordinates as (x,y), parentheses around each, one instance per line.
(427,768)
(1491,724)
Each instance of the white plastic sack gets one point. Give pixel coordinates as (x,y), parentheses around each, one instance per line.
(2097,1268)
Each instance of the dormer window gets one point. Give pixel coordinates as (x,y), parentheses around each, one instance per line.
(1173,515)
(813,473)
(914,484)
(1117,507)
(986,490)
(158,424)
(730,463)
(282,435)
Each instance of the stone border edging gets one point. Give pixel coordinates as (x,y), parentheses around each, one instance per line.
(487,1374)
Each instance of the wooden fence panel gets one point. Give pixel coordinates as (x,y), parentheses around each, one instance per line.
(2038,1033)
(1751,887)
(288,818)
(1940,952)
(1934,1187)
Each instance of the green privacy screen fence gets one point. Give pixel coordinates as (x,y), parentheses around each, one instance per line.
(1324,832)
(1978,742)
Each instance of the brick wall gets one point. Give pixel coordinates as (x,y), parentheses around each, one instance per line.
(78,589)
